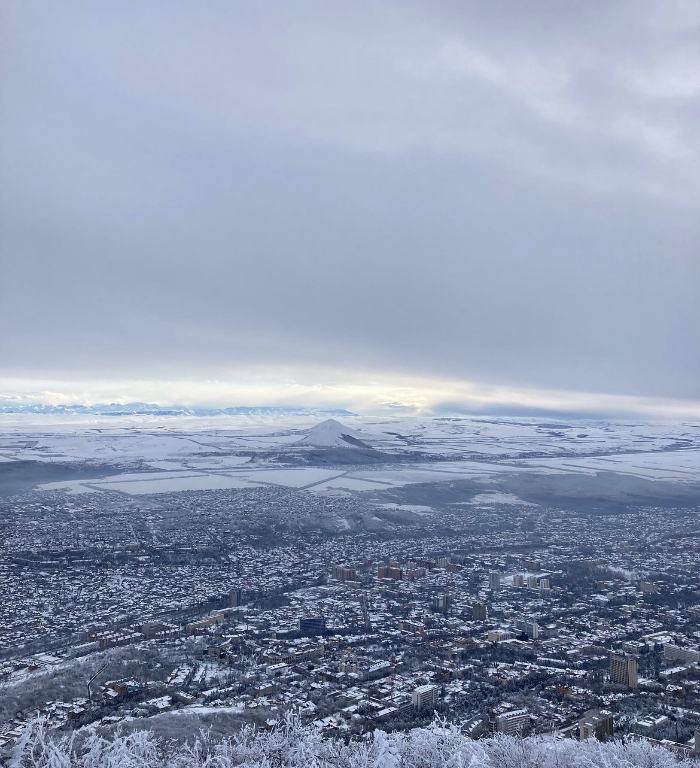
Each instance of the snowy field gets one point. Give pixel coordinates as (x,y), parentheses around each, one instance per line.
(158,455)
(671,465)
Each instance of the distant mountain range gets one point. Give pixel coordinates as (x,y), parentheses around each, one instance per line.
(151,409)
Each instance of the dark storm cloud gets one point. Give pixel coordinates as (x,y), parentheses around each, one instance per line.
(502,192)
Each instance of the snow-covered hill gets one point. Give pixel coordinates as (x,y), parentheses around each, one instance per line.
(332,434)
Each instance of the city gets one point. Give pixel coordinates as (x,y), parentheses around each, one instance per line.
(501,616)
(350,384)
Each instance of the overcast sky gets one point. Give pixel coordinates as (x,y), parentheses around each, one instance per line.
(426,202)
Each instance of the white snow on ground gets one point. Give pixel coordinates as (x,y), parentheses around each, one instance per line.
(669,465)
(293,478)
(46,438)
(495,497)
(678,465)
(140,477)
(164,482)
(197,453)
(349,484)
(419,509)
(169,484)
(201,464)
(73,487)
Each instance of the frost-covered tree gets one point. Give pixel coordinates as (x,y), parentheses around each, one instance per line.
(292,745)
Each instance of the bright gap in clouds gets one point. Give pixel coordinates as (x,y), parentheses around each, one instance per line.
(361,392)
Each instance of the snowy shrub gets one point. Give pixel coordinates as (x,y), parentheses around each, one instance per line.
(292,745)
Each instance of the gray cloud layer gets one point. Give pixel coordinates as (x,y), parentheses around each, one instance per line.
(503,192)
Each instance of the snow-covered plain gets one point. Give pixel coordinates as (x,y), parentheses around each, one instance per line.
(671,465)
(155,455)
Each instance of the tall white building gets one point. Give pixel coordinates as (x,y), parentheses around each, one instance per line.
(425,697)
(530,627)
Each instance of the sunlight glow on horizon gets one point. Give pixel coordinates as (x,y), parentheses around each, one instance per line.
(362,392)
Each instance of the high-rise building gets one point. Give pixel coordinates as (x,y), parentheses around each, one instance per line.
(236,597)
(623,670)
(532,582)
(390,572)
(544,585)
(425,697)
(494,580)
(479,611)
(518,580)
(441,603)
(530,627)
(342,573)
(596,723)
